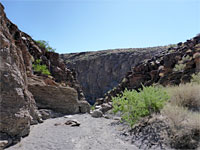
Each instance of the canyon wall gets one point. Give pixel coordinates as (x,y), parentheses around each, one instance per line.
(17,105)
(23,89)
(100,71)
(174,66)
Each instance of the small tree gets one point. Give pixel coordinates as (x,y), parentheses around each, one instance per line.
(45,45)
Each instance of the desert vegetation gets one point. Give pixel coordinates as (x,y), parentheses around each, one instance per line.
(45,45)
(38,68)
(179,105)
(134,105)
(196,78)
(183,114)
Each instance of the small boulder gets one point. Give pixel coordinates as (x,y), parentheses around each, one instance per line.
(97,107)
(99,101)
(105,107)
(47,113)
(3,144)
(72,123)
(84,107)
(97,114)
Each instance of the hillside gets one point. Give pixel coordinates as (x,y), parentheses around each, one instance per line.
(100,71)
(172,67)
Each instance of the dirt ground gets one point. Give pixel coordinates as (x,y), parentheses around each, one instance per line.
(92,134)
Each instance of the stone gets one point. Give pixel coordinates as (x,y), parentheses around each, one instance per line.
(97,107)
(97,114)
(117,118)
(47,113)
(105,107)
(68,116)
(150,132)
(99,101)
(73,123)
(3,144)
(58,98)
(84,107)
(196,56)
(57,124)
(107,116)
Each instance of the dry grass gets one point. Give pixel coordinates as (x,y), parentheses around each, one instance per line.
(185,95)
(182,118)
(184,125)
(176,115)
(183,113)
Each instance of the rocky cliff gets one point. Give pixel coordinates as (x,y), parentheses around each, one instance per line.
(17,105)
(23,90)
(100,71)
(172,67)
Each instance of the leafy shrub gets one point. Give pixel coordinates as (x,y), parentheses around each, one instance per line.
(196,78)
(133,105)
(185,95)
(40,68)
(45,45)
(179,67)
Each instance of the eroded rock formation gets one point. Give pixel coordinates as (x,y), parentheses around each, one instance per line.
(21,90)
(49,95)
(17,105)
(100,71)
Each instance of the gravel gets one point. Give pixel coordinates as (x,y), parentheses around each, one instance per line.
(92,134)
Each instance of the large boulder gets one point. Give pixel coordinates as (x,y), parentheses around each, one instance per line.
(58,98)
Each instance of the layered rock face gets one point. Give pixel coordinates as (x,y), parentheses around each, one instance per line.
(49,95)
(22,90)
(100,71)
(173,67)
(17,106)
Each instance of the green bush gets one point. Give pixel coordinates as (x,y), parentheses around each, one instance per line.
(133,105)
(179,67)
(196,78)
(45,45)
(40,68)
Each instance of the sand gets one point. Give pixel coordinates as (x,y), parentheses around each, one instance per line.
(92,134)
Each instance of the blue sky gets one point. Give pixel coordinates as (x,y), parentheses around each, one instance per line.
(88,25)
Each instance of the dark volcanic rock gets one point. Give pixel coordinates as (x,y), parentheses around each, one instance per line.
(174,66)
(100,71)
(150,133)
